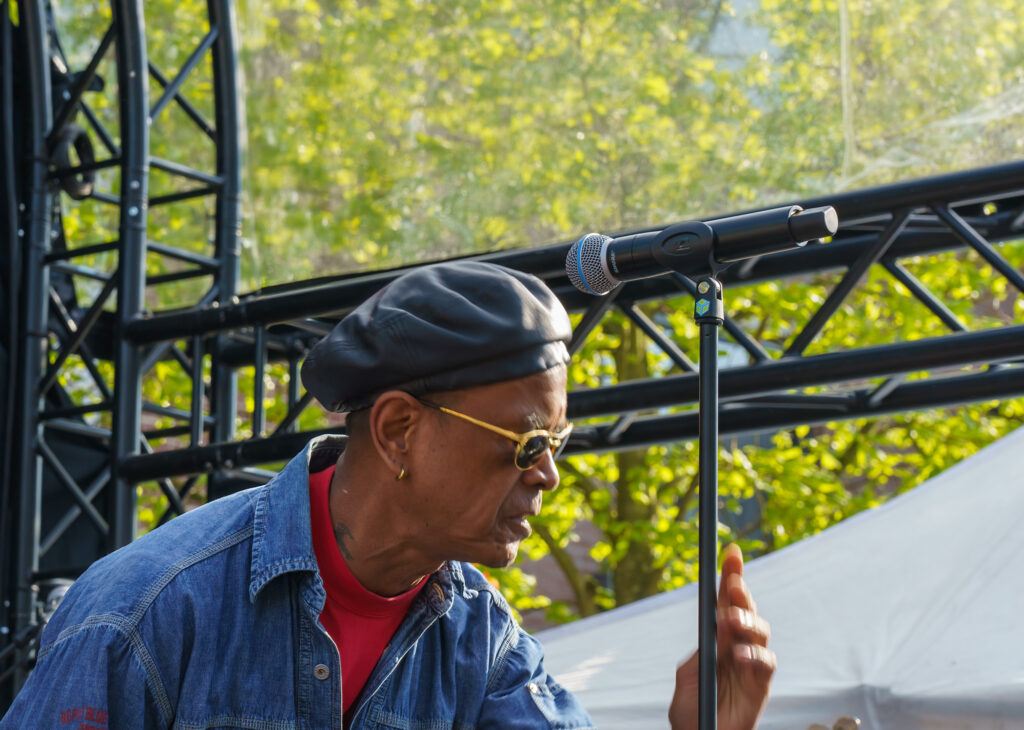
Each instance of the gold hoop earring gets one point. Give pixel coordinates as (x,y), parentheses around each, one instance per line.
(401,475)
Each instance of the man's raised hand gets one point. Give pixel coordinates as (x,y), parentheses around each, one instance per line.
(745,664)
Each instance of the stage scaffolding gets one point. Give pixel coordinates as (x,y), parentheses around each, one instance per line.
(73,456)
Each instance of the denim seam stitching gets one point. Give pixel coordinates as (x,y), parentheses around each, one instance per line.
(137,645)
(394,720)
(175,570)
(247,723)
(500,659)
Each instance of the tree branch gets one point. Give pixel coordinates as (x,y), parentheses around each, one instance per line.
(582,585)
(588,484)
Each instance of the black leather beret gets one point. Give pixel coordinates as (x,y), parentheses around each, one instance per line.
(440,327)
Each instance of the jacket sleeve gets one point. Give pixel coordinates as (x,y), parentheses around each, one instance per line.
(521,695)
(91,676)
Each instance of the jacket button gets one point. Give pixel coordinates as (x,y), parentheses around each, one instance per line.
(533,688)
(320,671)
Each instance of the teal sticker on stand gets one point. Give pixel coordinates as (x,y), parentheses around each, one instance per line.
(702,306)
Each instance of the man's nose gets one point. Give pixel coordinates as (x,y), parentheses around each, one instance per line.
(544,474)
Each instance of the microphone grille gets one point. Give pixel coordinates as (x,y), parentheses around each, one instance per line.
(585,265)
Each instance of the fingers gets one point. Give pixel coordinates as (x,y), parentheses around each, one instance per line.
(738,593)
(747,627)
(758,661)
(732,559)
(733,589)
(732,565)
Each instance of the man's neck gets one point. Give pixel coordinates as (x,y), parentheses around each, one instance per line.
(382,556)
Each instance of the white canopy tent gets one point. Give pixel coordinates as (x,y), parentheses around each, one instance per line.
(908,616)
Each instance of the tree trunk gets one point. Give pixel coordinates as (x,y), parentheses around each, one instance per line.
(635,575)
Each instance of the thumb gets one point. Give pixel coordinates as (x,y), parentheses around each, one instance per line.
(682,713)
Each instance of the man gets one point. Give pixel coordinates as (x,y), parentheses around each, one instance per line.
(337,594)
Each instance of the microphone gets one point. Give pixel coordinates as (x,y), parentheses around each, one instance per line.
(596,264)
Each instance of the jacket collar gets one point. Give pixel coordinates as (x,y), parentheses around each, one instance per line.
(282,534)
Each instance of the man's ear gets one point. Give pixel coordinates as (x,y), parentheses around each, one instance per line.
(393,421)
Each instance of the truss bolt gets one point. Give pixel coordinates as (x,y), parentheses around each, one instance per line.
(5,630)
(703,287)
(21,207)
(134,185)
(21,233)
(207,466)
(66,94)
(133,210)
(229,463)
(54,233)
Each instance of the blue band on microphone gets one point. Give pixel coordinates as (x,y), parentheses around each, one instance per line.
(579,266)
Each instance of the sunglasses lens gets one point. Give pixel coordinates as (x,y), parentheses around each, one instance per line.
(532,451)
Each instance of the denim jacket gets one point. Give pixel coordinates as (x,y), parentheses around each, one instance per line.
(211,621)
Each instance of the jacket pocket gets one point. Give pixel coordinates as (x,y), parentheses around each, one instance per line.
(558,706)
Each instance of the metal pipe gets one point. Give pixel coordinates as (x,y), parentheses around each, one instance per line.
(734,419)
(74,94)
(171,89)
(739,418)
(70,253)
(175,168)
(207,459)
(869,256)
(198,389)
(972,238)
(707,699)
(666,345)
(65,478)
(999,344)
(181,101)
(36,230)
(204,262)
(924,295)
(100,130)
(259,387)
(338,294)
(228,230)
(131,272)
(78,333)
(73,512)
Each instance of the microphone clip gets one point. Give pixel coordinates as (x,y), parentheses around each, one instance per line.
(685,247)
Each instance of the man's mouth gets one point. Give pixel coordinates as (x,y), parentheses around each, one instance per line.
(519,526)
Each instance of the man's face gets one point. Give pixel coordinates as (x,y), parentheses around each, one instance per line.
(470,500)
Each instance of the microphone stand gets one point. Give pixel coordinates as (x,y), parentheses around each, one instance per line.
(709,313)
(730,240)
(696,247)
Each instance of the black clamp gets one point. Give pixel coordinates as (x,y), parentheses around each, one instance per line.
(708,306)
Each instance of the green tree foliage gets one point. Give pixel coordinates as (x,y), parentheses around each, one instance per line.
(394,131)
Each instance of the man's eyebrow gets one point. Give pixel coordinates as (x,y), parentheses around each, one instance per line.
(537,422)
(534,421)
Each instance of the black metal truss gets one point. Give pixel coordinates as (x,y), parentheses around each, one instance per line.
(880,227)
(64,502)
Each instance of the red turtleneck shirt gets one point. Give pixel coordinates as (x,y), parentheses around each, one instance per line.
(360,622)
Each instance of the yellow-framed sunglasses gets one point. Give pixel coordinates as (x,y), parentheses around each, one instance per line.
(530,446)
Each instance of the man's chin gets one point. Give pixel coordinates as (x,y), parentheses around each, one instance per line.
(505,556)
